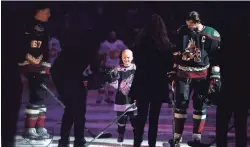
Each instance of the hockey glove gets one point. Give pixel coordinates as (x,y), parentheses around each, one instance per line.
(214,86)
(214,80)
(114,75)
(46,66)
(87,71)
(172,74)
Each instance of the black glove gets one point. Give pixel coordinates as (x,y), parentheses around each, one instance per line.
(172,75)
(87,71)
(213,87)
(213,92)
(214,80)
(114,74)
(46,66)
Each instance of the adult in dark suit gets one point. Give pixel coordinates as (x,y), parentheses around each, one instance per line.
(11,80)
(234,100)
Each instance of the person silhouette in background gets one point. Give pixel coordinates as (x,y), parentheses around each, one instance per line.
(152,56)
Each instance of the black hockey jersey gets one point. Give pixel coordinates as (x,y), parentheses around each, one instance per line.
(196,52)
(33,44)
(123,84)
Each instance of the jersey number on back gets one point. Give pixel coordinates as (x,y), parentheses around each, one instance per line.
(35,44)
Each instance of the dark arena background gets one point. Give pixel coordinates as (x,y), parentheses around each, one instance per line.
(82,26)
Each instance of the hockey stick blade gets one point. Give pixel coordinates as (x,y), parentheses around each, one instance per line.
(105,135)
(200,145)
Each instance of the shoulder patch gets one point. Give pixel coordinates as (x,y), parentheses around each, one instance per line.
(216,34)
(134,66)
(211,33)
(118,67)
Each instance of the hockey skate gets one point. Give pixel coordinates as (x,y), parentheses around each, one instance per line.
(172,143)
(197,143)
(31,134)
(63,145)
(120,139)
(43,134)
(31,137)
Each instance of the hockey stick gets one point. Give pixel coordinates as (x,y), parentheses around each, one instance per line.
(171,144)
(173,106)
(106,135)
(111,123)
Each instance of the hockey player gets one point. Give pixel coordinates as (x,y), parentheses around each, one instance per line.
(196,67)
(34,64)
(109,51)
(122,78)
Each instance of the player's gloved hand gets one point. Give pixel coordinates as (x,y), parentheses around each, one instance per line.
(114,74)
(32,68)
(172,74)
(214,81)
(214,85)
(213,92)
(87,71)
(46,67)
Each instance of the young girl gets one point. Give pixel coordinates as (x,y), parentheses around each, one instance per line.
(121,79)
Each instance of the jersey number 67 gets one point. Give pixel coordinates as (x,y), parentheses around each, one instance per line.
(35,44)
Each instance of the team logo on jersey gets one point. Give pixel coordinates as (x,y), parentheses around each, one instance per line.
(191,52)
(216,34)
(126,84)
(114,54)
(39,28)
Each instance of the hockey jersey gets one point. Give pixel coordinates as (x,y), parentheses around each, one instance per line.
(34,44)
(123,84)
(196,51)
(112,52)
